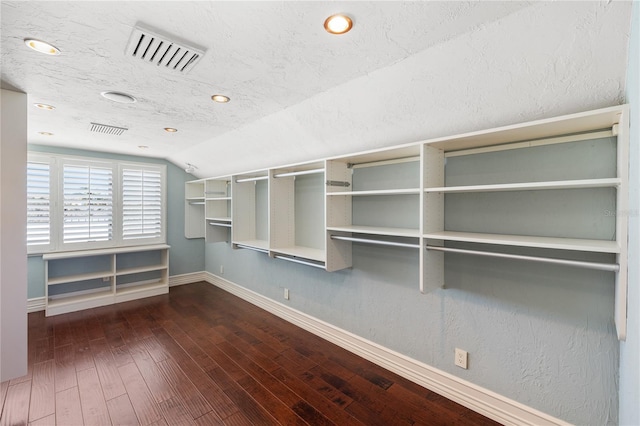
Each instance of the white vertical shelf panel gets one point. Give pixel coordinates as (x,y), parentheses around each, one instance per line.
(622,220)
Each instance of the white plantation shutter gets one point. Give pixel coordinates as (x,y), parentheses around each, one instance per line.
(38,205)
(142,203)
(88,203)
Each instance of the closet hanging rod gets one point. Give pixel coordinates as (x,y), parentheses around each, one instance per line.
(302,262)
(383,162)
(252,179)
(611,267)
(375,242)
(216,192)
(225,225)
(300,173)
(242,246)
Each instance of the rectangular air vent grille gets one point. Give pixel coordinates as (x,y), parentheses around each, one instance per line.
(162,51)
(107,130)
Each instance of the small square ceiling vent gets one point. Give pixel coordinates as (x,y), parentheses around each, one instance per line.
(107,129)
(163,51)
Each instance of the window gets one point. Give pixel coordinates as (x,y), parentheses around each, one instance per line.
(38,203)
(88,203)
(76,203)
(142,202)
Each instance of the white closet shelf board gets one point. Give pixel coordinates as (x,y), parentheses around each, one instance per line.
(531,186)
(149,268)
(219,219)
(407,191)
(565,125)
(102,252)
(195,198)
(304,252)
(374,230)
(304,167)
(218,198)
(577,244)
(80,277)
(405,151)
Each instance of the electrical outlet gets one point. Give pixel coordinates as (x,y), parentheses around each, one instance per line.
(461,358)
(286,293)
(221,269)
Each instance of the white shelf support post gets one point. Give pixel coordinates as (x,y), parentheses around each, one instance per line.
(433,206)
(622,219)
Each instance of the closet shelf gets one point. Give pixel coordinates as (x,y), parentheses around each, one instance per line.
(149,268)
(407,191)
(374,230)
(135,288)
(218,198)
(79,277)
(531,186)
(70,300)
(577,244)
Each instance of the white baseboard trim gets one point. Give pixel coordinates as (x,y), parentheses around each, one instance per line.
(189,278)
(476,398)
(35,305)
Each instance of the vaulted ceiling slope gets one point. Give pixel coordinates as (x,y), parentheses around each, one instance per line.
(407,71)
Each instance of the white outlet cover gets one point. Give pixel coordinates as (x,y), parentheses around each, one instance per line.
(461,357)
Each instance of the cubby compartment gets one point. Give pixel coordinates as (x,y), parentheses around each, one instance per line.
(250,211)
(218,210)
(297,213)
(194,209)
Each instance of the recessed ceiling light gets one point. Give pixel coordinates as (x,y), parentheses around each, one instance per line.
(221,99)
(46,133)
(41,46)
(119,97)
(338,24)
(45,106)
(170,129)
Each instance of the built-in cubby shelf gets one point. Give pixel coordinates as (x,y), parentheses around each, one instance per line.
(115,275)
(488,189)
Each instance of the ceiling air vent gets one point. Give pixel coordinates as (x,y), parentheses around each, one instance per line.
(107,130)
(163,51)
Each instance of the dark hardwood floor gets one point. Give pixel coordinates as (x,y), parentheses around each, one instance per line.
(203,356)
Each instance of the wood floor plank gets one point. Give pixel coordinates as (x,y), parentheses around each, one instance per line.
(143,402)
(68,408)
(16,405)
(110,380)
(45,421)
(65,369)
(153,377)
(121,411)
(94,408)
(195,403)
(43,400)
(175,412)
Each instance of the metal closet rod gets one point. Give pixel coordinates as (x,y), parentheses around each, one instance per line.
(375,242)
(252,179)
(302,262)
(226,225)
(300,173)
(242,246)
(611,267)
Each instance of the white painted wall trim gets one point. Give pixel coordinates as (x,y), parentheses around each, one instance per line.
(35,305)
(189,278)
(481,400)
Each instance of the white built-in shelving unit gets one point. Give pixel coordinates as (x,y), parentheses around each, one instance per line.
(410,197)
(86,279)
(217,195)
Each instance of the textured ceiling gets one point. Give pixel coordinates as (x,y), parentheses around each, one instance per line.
(286,76)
